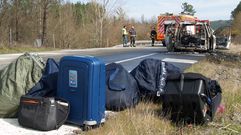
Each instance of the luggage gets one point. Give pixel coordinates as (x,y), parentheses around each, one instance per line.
(121,88)
(191,97)
(47,86)
(151,75)
(81,81)
(16,80)
(42,113)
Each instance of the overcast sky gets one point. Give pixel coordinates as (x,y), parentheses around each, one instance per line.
(205,9)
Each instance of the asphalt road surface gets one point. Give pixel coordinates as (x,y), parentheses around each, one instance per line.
(128,57)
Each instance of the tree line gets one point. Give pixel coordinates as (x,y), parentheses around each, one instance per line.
(56,23)
(59,24)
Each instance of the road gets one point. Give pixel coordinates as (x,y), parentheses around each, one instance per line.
(128,57)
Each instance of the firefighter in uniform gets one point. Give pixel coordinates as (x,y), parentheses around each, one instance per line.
(153,36)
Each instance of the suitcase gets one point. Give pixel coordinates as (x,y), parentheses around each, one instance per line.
(187,98)
(81,81)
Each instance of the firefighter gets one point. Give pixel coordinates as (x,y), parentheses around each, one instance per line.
(132,33)
(153,36)
(124,36)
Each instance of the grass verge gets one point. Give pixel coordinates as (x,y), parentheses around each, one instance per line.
(6,50)
(146,118)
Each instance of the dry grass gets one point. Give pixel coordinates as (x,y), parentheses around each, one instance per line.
(229,76)
(234,48)
(144,119)
(147,119)
(6,50)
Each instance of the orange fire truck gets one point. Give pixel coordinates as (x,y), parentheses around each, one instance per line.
(165,20)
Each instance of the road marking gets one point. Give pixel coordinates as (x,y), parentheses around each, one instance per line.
(49,53)
(139,57)
(180,60)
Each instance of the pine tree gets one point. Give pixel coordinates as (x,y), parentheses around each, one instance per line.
(188,9)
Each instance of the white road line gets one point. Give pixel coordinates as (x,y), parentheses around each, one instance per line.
(49,53)
(139,57)
(180,60)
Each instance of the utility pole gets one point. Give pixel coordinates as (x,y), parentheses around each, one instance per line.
(44,26)
(54,40)
(10,37)
(16,20)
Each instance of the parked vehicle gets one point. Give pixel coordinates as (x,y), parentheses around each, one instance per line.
(196,35)
(223,35)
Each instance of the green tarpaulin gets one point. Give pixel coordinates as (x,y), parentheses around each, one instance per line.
(16,79)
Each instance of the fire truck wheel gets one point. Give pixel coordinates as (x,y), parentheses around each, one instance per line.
(163,43)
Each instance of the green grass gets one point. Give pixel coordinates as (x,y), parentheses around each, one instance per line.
(146,117)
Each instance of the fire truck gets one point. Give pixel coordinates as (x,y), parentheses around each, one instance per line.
(165,20)
(182,32)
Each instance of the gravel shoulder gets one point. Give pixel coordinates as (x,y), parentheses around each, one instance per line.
(11,127)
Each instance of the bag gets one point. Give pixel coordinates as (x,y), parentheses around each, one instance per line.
(47,86)
(42,113)
(151,75)
(121,88)
(15,81)
(191,97)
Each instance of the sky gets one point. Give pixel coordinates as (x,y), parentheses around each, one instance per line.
(205,9)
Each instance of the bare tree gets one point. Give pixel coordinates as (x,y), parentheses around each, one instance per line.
(45,5)
(103,9)
(3,18)
(120,13)
(96,23)
(16,3)
(3,9)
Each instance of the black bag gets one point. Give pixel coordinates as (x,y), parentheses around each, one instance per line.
(121,88)
(151,75)
(47,86)
(42,113)
(191,97)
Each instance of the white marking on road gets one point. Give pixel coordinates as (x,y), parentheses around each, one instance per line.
(180,60)
(49,53)
(139,57)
